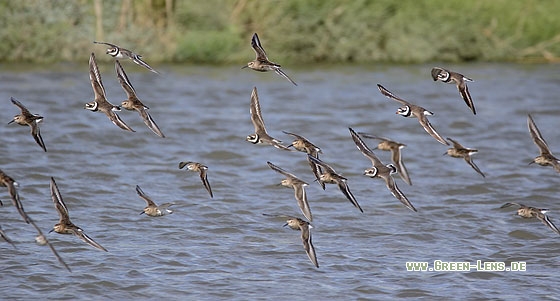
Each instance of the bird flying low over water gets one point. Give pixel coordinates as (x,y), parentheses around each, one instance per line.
(459,151)
(32,120)
(459,79)
(296,223)
(546,158)
(64,225)
(121,53)
(411,110)
(133,103)
(152,209)
(298,185)
(530,212)
(261,62)
(261,135)
(202,170)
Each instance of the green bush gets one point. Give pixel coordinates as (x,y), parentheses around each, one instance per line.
(292,31)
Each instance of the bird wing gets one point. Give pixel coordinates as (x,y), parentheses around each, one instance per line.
(36,133)
(259,50)
(546,220)
(125,82)
(509,204)
(255,110)
(137,59)
(204,179)
(470,161)
(536,135)
(308,244)
(24,110)
(144,196)
(365,149)
(343,186)
(391,95)
(80,233)
(301,198)
(118,121)
(430,129)
(464,91)
(149,121)
(105,43)
(456,144)
(95,79)
(399,163)
(284,75)
(59,203)
(397,193)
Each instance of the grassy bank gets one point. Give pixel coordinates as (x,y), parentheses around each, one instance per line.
(292,31)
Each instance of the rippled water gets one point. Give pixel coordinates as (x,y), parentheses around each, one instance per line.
(224,248)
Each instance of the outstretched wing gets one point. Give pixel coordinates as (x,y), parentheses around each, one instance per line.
(391,95)
(365,149)
(536,135)
(257,47)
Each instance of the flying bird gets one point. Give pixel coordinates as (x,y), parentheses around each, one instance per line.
(298,185)
(32,120)
(261,135)
(152,209)
(531,212)
(261,62)
(121,53)
(459,151)
(411,110)
(546,158)
(459,80)
(296,223)
(64,225)
(202,170)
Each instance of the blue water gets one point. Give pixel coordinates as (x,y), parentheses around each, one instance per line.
(224,248)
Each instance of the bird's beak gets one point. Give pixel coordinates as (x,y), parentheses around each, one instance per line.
(141,213)
(51,230)
(285,225)
(531,162)
(244,67)
(11,121)
(290,145)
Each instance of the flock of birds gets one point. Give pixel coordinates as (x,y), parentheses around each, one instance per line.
(324,173)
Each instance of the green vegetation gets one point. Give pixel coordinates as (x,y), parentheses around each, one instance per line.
(295,31)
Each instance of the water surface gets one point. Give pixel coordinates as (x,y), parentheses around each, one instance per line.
(223,248)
